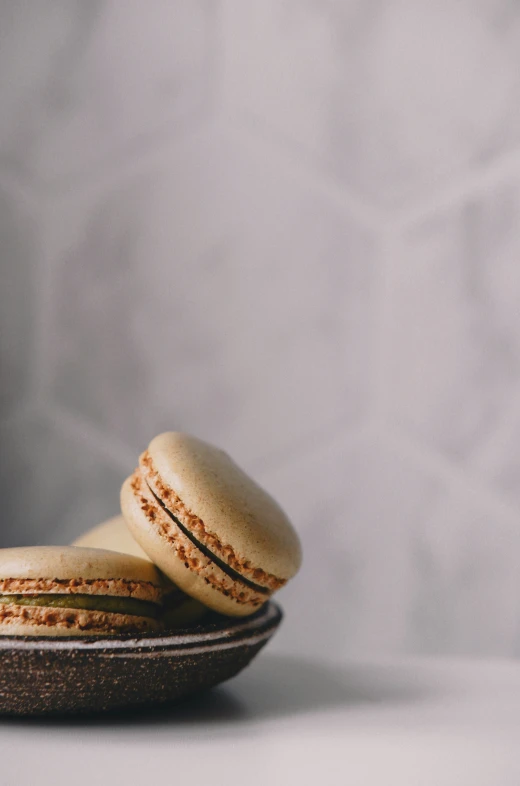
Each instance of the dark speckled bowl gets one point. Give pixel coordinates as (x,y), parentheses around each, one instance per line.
(65,675)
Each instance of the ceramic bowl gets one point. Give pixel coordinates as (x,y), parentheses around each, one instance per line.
(41,676)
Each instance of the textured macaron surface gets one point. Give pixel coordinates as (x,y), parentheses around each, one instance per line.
(20,620)
(223,507)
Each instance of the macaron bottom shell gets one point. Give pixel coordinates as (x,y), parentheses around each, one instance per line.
(50,622)
(107,603)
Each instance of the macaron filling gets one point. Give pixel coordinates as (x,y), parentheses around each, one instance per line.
(104,603)
(166,530)
(233,574)
(211,546)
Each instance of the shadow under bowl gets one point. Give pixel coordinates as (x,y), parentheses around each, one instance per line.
(40,676)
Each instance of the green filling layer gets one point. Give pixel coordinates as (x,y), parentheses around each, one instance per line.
(107,603)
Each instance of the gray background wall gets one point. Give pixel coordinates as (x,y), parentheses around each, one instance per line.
(291,228)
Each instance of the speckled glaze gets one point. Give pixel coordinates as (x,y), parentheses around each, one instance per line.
(57,676)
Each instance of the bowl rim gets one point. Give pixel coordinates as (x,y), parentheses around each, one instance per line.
(220,633)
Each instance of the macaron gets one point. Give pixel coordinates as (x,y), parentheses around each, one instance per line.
(72,591)
(208,526)
(112,535)
(179,609)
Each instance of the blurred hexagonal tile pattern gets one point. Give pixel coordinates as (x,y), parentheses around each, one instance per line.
(79,81)
(394,562)
(467,597)
(18,271)
(53,485)
(366,89)
(456,338)
(216,295)
(356,506)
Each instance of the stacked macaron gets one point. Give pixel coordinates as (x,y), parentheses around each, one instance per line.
(196,534)
(210,528)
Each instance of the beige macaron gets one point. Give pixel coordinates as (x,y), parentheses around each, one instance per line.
(210,528)
(112,535)
(72,591)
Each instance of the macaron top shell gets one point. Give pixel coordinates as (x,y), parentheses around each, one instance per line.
(112,535)
(229,504)
(63,563)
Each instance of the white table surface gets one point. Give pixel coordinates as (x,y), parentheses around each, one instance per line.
(289,721)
